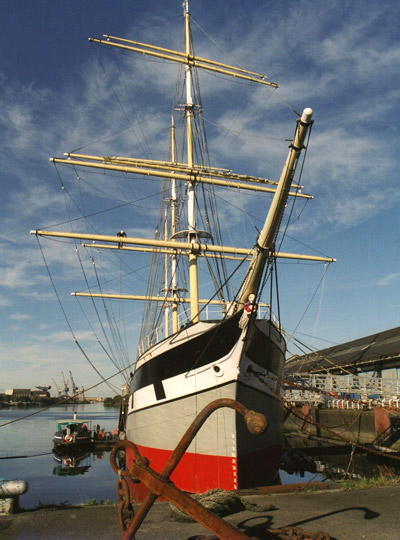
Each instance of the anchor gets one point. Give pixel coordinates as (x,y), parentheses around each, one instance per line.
(159,484)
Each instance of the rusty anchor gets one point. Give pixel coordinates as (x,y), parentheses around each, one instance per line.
(159,484)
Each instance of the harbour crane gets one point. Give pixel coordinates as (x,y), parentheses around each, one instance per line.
(58,388)
(75,389)
(66,389)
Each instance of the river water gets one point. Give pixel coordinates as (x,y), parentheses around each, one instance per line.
(52,482)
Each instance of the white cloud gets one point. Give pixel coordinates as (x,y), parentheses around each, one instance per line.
(20,317)
(5,302)
(389,279)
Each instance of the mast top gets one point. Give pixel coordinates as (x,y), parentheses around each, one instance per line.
(306,116)
(187,57)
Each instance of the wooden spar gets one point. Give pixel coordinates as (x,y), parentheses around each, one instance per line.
(173,244)
(179,167)
(145,298)
(204,249)
(266,241)
(277,254)
(189,59)
(161,299)
(191,176)
(179,53)
(156,163)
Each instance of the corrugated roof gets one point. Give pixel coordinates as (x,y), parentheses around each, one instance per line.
(377,351)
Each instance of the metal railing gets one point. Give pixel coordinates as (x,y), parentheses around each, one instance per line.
(209,313)
(342,391)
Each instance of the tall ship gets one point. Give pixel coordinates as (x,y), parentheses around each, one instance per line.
(209,327)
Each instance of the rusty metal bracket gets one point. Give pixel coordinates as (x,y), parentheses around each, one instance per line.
(159,484)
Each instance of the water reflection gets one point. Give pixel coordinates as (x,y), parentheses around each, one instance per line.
(340,462)
(356,467)
(26,452)
(72,465)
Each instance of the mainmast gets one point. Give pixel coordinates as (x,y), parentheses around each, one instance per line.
(192,233)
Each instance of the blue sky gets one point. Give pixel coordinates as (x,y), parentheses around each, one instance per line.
(340,58)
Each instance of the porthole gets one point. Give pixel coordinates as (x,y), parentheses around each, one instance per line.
(218,371)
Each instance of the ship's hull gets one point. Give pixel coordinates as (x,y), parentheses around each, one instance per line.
(224,454)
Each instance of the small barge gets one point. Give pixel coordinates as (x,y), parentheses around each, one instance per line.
(74,436)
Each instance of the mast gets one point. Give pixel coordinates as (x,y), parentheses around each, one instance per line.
(266,242)
(192,233)
(170,281)
(173,231)
(166,279)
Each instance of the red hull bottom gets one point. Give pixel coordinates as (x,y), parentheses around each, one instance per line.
(197,473)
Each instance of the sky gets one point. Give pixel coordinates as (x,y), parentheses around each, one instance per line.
(58,93)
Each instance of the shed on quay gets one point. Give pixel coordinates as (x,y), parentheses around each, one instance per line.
(375,353)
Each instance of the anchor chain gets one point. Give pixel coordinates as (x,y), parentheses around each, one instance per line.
(125,508)
(118,462)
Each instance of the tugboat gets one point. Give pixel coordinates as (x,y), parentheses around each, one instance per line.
(72,434)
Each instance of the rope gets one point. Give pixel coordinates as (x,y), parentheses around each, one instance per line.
(127,117)
(95,307)
(66,318)
(27,456)
(291,408)
(322,280)
(337,435)
(273,92)
(221,503)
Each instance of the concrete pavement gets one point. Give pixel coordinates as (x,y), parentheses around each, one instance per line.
(369,514)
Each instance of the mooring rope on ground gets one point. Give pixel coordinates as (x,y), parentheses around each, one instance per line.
(220,502)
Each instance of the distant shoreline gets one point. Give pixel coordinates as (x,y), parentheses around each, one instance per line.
(48,402)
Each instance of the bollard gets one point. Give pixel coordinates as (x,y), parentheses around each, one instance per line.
(10,490)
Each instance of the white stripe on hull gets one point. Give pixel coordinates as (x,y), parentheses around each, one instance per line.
(163,425)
